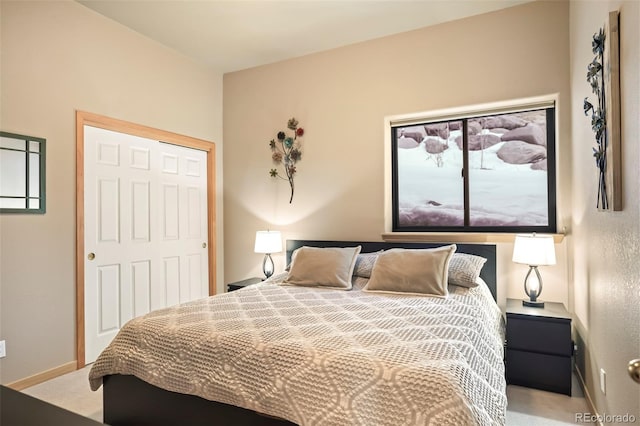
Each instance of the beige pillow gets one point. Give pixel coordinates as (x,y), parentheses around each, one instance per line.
(417,272)
(323,267)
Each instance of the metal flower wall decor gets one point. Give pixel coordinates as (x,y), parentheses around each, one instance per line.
(595,77)
(287,151)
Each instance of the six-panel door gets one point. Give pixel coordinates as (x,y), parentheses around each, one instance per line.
(145,230)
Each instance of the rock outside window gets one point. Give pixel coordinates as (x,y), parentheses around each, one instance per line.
(486,172)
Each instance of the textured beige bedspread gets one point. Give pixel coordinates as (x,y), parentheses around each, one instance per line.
(325,357)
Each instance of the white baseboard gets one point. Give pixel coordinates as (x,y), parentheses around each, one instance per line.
(587,396)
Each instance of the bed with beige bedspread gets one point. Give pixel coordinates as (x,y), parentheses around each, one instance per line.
(318,356)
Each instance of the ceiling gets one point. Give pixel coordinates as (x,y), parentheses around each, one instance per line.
(230,35)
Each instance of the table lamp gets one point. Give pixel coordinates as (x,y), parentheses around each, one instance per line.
(268,242)
(534,250)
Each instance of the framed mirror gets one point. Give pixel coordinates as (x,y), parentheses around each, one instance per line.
(22,174)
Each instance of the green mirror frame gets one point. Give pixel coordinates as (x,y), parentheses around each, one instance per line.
(22,174)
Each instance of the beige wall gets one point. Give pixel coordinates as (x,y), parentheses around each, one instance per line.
(341,98)
(71,58)
(606,246)
(58,57)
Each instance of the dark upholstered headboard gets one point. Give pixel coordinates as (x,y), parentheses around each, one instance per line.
(488,251)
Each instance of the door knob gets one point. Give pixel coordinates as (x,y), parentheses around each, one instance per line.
(204,245)
(634,370)
(91,256)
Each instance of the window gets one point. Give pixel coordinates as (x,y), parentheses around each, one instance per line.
(22,174)
(482,172)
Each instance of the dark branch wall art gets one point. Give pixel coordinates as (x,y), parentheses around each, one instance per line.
(603,75)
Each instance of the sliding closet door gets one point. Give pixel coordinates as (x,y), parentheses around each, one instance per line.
(146,230)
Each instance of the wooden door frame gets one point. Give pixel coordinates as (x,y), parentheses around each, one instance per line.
(89,119)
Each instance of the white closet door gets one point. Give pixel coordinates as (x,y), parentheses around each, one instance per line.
(145,230)
(182,211)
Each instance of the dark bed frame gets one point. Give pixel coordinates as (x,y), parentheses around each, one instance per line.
(131,401)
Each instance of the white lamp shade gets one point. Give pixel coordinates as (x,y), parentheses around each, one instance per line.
(534,250)
(268,242)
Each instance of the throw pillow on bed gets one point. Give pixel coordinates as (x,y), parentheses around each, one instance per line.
(330,267)
(409,271)
(464,269)
(365,263)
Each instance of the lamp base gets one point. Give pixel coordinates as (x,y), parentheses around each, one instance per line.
(267,266)
(531,304)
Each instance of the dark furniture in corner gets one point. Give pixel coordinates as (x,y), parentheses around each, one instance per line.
(20,409)
(539,347)
(241,284)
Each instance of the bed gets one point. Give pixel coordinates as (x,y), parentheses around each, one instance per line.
(274,354)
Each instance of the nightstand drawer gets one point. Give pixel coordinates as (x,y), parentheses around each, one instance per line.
(540,371)
(542,335)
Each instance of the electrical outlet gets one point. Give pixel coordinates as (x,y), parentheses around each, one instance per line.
(3,349)
(603,381)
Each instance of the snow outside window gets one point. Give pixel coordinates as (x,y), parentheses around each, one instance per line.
(484,173)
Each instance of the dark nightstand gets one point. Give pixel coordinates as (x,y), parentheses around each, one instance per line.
(539,347)
(241,284)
